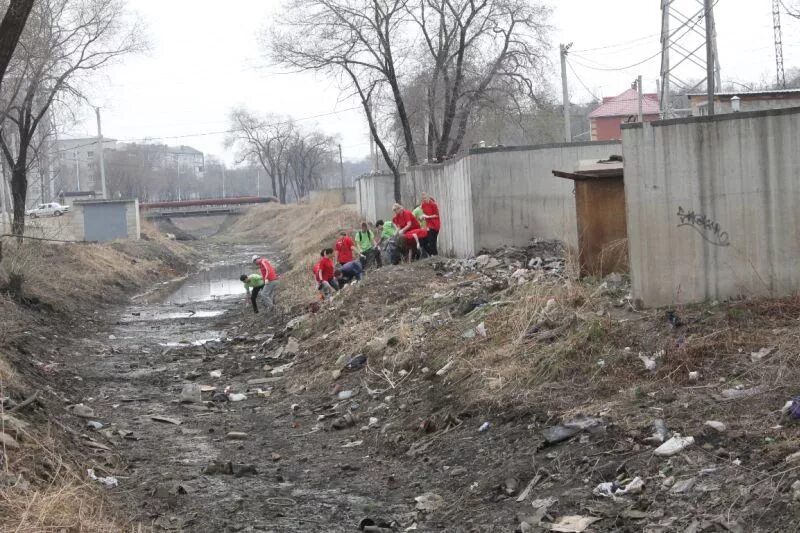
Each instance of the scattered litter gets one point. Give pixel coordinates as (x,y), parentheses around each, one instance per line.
(694,376)
(525,493)
(792,408)
(228,468)
(719,427)
(682,486)
(614,490)
(510,486)
(796,490)
(469,334)
(674,446)
(292,347)
(353,444)
(573,523)
(738,394)
(649,363)
(215,373)
(345,421)
(8,441)
(356,362)
(795,457)
(429,502)
(761,354)
(556,434)
(166,420)
(661,433)
(484,427)
(442,371)
(480,329)
(109,481)
(345,395)
(191,393)
(94,424)
(81,410)
(544,503)
(236,435)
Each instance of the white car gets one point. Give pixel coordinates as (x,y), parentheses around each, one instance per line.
(52,209)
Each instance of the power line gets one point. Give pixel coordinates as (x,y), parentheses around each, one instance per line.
(615,69)
(618,45)
(207,133)
(569,64)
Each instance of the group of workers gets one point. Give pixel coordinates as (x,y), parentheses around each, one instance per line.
(410,235)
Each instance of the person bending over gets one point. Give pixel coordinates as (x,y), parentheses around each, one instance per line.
(349,272)
(324,274)
(270,278)
(253,285)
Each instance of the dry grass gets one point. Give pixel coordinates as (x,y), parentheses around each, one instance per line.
(43,487)
(300,231)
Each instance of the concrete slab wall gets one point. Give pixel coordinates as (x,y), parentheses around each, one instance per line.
(375,196)
(450,184)
(127,209)
(516,197)
(713,207)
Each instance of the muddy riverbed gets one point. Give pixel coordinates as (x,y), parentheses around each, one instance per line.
(180,469)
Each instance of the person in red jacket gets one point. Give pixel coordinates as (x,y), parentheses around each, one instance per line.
(345,249)
(415,242)
(404,220)
(324,273)
(431,216)
(270,278)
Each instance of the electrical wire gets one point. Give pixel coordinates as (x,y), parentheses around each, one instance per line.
(618,45)
(569,64)
(207,133)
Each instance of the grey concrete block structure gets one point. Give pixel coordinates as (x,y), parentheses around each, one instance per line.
(712,207)
(107,220)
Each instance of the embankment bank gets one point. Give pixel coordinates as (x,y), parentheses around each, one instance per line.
(68,292)
(491,394)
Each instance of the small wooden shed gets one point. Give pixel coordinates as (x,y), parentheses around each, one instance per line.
(600,213)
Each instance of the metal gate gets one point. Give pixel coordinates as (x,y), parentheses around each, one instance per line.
(105,222)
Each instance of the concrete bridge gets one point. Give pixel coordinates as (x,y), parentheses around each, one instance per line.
(205,207)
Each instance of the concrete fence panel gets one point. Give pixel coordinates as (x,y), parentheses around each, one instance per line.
(450,185)
(712,206)
(516,197)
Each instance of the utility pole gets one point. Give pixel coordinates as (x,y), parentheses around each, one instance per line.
(223,180)
(663,93)
(565,89)
(776,24)
(258,182)
(710,54)
(341,173)
(640,94)
(100,152)
(77,171)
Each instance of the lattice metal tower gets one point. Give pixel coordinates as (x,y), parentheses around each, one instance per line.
(776,23)
(683,50)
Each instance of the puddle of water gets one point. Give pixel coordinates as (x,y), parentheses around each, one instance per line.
(216,283)
(198,342)
(174,315)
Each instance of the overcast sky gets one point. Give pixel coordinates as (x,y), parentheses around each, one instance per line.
(206,59)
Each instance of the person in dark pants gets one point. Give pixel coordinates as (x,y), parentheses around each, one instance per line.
(368,246)
(431,215)
(253,284)
(349,272)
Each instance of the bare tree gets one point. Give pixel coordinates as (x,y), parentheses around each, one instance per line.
(11,28)
(291,157)
(63,44)
(472,50)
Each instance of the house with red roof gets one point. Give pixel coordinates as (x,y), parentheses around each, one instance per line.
(617,110)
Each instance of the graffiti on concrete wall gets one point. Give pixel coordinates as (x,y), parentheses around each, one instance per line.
(709,229)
